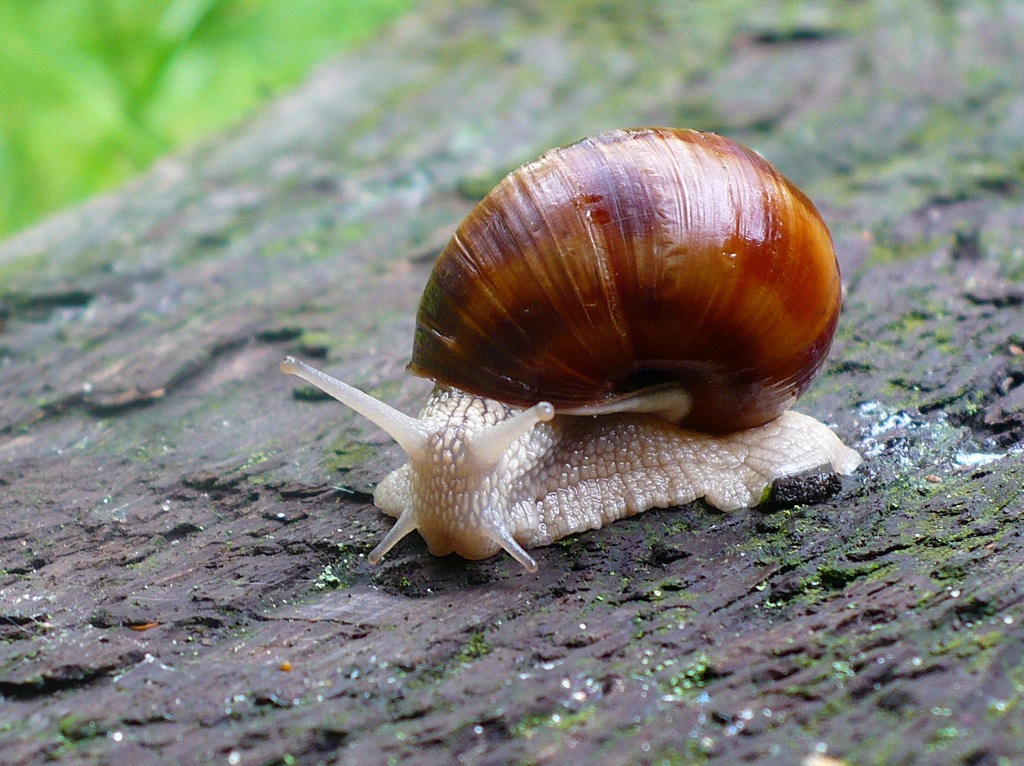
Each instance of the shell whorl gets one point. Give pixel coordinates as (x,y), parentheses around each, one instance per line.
(629,259)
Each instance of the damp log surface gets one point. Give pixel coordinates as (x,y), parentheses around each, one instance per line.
(182,559)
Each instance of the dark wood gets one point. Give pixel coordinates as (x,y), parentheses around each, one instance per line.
(183,550)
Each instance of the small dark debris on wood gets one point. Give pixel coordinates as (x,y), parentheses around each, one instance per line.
(666,551)
(967,245)
(279,334)
(809,487)
(996,293)
(306,393)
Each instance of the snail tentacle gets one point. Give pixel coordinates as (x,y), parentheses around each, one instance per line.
(488,446)
(409,432)
(504,538)
(406,523)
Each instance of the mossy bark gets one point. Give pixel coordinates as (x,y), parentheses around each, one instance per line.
(183,556)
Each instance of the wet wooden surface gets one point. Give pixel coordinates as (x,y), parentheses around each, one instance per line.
(183,555)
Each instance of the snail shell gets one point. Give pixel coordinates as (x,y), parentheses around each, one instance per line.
(634,258)
(669,284)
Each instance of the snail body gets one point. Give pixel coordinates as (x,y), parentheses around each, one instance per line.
(620,325)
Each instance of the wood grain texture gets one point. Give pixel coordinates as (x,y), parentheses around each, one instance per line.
(155,468)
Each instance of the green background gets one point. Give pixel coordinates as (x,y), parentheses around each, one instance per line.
(94,90)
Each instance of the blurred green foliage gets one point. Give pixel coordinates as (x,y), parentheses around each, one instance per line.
(91,91)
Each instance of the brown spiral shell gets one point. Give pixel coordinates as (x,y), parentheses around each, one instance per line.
(634,258)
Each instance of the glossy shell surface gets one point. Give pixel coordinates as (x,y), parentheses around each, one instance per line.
(636,258)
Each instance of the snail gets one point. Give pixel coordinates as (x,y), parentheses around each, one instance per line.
(619,325)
